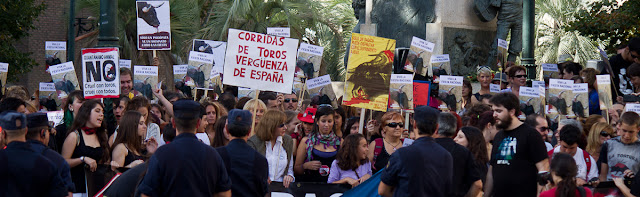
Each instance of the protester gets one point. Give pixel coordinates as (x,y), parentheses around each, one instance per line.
(590,121)
(563,171)
(158,114)
(86,144)
(317,150)
(141,104)
(517,77)
(351,165)
(487,123)
(472,139)
(186,167)
(484,78)
(422,169)
(119,107)
(13,104)
(466,175)
(303,129)
(381,149)
(270,99)
(258,106)
(228,100)
(352,126)
(247,168)
(587,167)
(501,79)
(626,191)
(291,101)
(617,155)
(589,76)
(24,171)
(70,109)
(339,118)
(220,137)
(467,93)
(272,142)
(633,72)
(600,132)
(518,152)
(561,124)
(541,125)
(126,82)
(571,69)
(127,149)
(212,114)
(38,133)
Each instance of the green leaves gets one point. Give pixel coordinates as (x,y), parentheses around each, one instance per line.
(16,21)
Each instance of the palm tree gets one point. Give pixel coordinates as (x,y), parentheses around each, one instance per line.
(552,40)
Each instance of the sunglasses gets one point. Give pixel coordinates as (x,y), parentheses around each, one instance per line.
(544,128)
(290,100)
(605,134)
(281,125)
(395,124)
(520,76)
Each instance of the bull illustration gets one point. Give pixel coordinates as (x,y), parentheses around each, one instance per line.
(371,79)
(147,12)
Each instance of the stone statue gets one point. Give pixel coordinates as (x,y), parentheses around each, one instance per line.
(465,55)
(509,21)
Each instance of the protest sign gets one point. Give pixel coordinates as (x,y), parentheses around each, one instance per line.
(299,89)
(560,95)
(200,69)
(246,92)
(529,101)
(4,71)
(217,48)
(154,25)
(549,71)
(65,79)
(125,64)
(260,61)
(321,86)
(48,97)
(580,101)
(502,53)
(181,81)
(421,93)
(440,66)
(543,102)
(143,78)
(604,91)
(55,117)
(369,72)
(309,60)
(401,92)
(100,73)
(55,52)
(338,88)
(535,84)
(279,31)
(450,93)
(494,88)
(634,107)
(419,51)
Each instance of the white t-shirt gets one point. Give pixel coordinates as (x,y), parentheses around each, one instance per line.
(582,165)
(549,147)
(204,138)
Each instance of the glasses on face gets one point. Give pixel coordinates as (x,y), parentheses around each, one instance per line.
(395,124)
(544,128)
(633,56)
(290,100)
(520,76)
(605,134)
(281,125)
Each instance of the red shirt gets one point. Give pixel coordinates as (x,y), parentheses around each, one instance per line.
(552,192)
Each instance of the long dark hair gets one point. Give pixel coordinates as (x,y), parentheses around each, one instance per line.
(219,139)
(138,102)
(564,166)
(322,111)
(347,156)
(476,144)
(128,132)
(68,114)
(84,113)
(350,122)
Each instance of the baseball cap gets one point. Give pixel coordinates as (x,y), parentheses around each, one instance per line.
(38,120)
(426,114)
(186,109)
(12,120)
(500,77)
(239,117)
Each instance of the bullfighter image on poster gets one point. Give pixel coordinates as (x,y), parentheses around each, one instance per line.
(604,91)
(181,81)
(440,65)
(369,72)
(55,52)
(154,25)
(321,88)
(529,101)
(143,79)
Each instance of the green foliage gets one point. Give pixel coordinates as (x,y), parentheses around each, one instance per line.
(15,23)
(608,21)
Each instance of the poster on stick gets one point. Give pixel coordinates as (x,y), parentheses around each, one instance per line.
(549,71)
(216,48)
(181,81)
(321,87)
(65,79)
(421,93)
(419,52)
(604,91)
(309,60)
(154,25)
(369,72)
(580,101)
(502,53)
(4,71)
(560,95)
(450,93)
(48,97)
(401,92)
(260,61)
(440,65)
(100,73)
(125,64)
(529,101)
(55,52)
(143,79)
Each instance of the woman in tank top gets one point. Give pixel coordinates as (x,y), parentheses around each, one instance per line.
(127,151)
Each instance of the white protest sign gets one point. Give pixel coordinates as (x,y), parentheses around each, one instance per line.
(4,67)
(279,31)
(440,58)
(310,49)
(217,48)
(503,43)
(580,88)
(495,88)
(422,44)
(154,25)
(530,92)
(535,84)
(55,45)
(550,67)
(100,73)
(634,107)
(125,64)
(451,80)
(318,82)
(61,68)
(561,84)
(47,87)
(260,61)
(180,69)
(402,78)
(145,70)
(55,117)
(603,79)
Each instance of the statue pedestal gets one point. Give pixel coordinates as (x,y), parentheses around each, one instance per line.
(457,31)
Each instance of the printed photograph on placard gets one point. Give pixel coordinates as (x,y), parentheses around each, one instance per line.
(65,79)
(502,53)
(246,92)
(181,81)
(309,60)
(580,101)
(298,87)
(199,69)
(144,78)
(217,48)
(440,66)
(4,70)
(604,91)
(48,97)
(338,88)
(560,95)
(549,71)
(529,101)
(450,93)
(401,92)
(216,81)
(419,55)
(323,93)
(153,25)
(55,52)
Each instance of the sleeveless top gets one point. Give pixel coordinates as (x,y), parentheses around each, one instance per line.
(131,157)
(381,160)
(326,158)
(477,95)
(77,172)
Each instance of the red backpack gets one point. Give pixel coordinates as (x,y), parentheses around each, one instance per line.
(585,155)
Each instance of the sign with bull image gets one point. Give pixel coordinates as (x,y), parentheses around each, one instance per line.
(369,72)
(65,79)
(450,93)
(100,73)
(154,25)
(419,51)
(309,60)
(560,95)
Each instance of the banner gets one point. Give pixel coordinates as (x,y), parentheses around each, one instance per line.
(321,86)
(301,189)
(369,72)
(419,51)
(65,78)
(421,93)
(100,73)
(440,65)
(450,93)
(529,101)
(55,52)
(143,78)
(604,91)
(154,25)
(560,92)
(279,31)
(124,64)
(401,92)
(580,101)
(48,97)
(309,60)
(260,61)
(4,71)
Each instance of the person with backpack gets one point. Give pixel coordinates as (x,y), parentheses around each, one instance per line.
(587,167)
(563,170)
(380,149)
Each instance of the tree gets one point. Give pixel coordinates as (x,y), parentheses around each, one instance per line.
(608,21)
(15,23)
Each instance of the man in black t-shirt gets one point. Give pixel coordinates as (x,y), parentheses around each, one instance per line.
(518,153)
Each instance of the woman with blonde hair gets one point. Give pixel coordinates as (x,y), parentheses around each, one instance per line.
(258,105)
(270,141)
(599,133)
(484,77)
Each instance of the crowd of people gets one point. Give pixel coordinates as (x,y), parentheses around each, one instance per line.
(222,145)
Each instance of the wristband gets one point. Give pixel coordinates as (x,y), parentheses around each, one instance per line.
(82,159)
